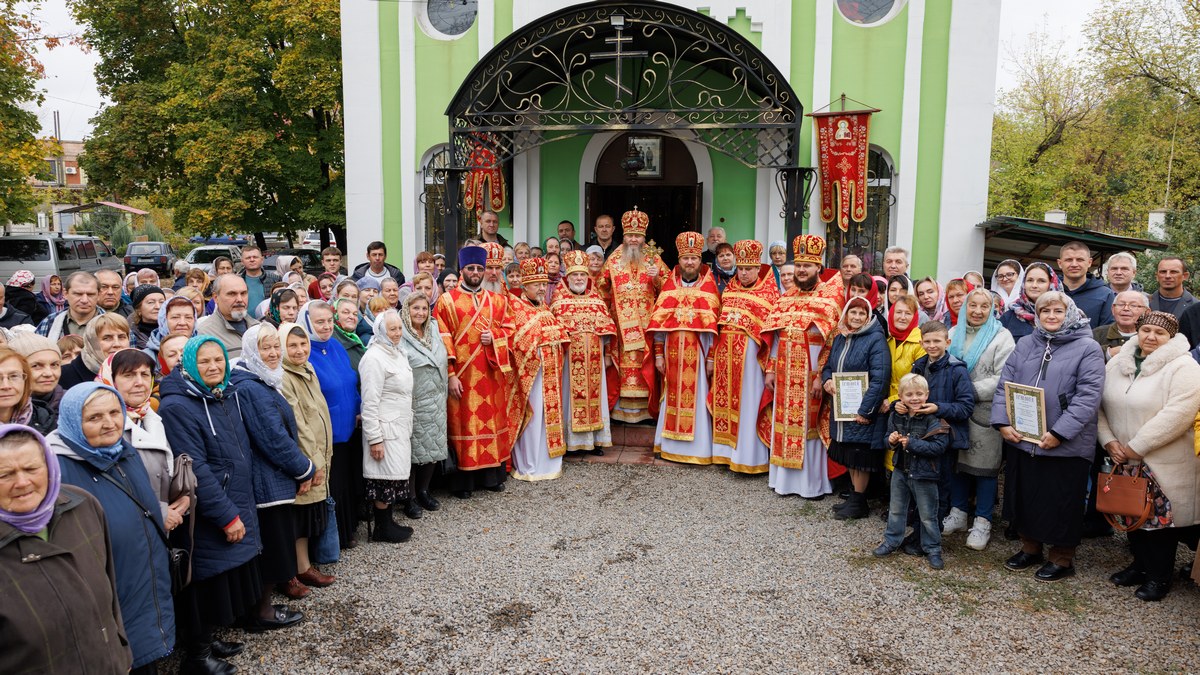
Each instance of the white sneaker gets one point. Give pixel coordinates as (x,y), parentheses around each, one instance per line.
(955,522)
(980,534)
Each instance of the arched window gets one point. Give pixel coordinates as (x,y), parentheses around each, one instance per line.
(447,19)
(433,197)
(868,239)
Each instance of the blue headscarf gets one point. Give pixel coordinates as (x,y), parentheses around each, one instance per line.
(983,335)
(70,420)
(190,369)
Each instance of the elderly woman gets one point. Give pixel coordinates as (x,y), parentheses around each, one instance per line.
(1151,395)
(283,307)
(427,357)
(1046,478)
(389,289)
(339,386)
(1128,308)
(206,424)
(93,456)
(146,301)
(51,296)
(45,366)
(777,251)
(222,265)
(60,611)
(1019,316)
(448,281)
(387,418)
(103,336)
(345,324)
(979,341)
(17,405)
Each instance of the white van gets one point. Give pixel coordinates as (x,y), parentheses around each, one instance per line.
(61,254)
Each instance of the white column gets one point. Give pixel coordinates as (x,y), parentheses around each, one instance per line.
(527,195)
(905,174)
(822,78)
(364,128)
(410,187)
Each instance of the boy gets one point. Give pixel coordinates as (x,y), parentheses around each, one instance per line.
(919,441)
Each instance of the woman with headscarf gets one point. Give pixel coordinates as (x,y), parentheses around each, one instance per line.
(127,285)
(283,266)
(94,456)
(422,345)
(51,296)
(314,436)
(1006,281)
(175,316)
(931,298)
(980,342)
(345,323)
(56,547)
(45,366)
(322,287)
(387,419)
(281,471)
(447,280)
(339,385)
(146,301)
(103,336)
(20,298)
(17,405)
(1019,316)
(1045,480)
(777,252)
(206,424)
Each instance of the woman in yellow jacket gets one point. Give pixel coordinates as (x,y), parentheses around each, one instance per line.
(904,343)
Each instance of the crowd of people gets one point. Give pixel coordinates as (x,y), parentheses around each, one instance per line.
(174,453)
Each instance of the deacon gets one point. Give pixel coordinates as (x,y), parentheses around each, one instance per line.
(739,362)
(586,389)
(630,284)
(537,347)
(803,323)
(475,325)
(683,326)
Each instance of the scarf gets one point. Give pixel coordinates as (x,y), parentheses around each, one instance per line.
(273,308)
(1074,320)
(347,334)
(897,334)
(70,420)
(286,329)
(1008,297)
(32,522)
(380,330)
(157,335)
(938,313)
(951,315)
(412,334)
(314,288)
(106,377)
(1023,306)
(59,301)
(92,353)
(844,328)
(252,360)
(983,334)
(283,265)
(191,371)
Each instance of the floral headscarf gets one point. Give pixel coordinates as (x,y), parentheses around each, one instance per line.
(251,359)
(1023,306)
(106,377)
(1074,320)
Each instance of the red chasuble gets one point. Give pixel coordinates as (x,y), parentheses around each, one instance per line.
(743,311)
(630,295)
(683,313)
(587,321)
(537,342)
(478,422)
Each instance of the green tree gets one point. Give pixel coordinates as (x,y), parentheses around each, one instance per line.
(21,154)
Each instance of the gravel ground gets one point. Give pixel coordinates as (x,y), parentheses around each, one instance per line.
(620,568)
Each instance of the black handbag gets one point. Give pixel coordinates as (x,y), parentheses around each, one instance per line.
(179,560)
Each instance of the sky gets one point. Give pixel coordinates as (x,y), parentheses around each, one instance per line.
(71,88)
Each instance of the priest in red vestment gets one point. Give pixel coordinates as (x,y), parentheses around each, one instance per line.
(476,326)
(683,326)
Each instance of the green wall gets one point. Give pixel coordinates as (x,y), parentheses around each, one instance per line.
(733,197)
(859,72)
(559,194)
(935,67)
(389,71)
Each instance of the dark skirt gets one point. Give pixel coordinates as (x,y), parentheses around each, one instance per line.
(277,529)
(479,479)
(309,520)
(1047,497)
(345,484)
(219,600)
(857,456)
(390,491)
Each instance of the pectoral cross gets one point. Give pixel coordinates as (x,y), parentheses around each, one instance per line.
(618,53)
(651,251)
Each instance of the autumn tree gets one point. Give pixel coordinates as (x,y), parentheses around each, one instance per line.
(21,154)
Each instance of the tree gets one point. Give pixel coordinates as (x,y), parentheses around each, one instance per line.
(229,114)
(21,154)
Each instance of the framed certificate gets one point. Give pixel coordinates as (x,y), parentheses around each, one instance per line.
(849,390)
(1026,410)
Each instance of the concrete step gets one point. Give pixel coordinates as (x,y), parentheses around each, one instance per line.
(633,435)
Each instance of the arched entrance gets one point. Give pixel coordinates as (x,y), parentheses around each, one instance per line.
(641,67)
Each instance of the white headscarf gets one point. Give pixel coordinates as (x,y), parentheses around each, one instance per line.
(379,326)
(1008,296)
(252,361)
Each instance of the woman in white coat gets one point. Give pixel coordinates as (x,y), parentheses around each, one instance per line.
(387,382)
(1151,394)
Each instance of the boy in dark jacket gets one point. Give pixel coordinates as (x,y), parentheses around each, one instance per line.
(919,441)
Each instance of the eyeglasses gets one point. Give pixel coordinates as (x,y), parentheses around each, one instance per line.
(1129,305)
(12,378)
(1006,275)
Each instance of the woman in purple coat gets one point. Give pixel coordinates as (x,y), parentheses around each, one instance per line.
(1046,481)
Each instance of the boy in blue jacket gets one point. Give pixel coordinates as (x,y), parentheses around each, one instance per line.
(919,441)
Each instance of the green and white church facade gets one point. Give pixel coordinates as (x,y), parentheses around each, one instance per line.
(553,89)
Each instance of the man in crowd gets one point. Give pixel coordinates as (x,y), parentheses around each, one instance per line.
(489,228)
(740,360)
(1090,294)
(10,317)
(851,265)
(895,261)
(231,320)
(81,290)
(1127,308)
(331,261)
(476,324)
(181,270)
(566,230)
(537,350)
(630,285)
(109,294)
(1171,296)
(683,326)
(588,391)
(258,281)
(802,325)
(1121,270)
(377,266)
(605,234)
(716,235)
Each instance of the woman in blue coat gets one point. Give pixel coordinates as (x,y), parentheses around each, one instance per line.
(203,420)
(859,347)
(93,455)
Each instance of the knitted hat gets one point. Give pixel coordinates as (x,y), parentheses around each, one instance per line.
(1164,320)
(142,292)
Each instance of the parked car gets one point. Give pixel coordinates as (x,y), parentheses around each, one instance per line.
(154,255)
(310,256)
(313,239)
(61,254)
(202,257)
(221,240)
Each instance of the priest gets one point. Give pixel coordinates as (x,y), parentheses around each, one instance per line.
(493,271)
(629,283)
(802,325)
(740,359)
(683,326)
(475,324)
(537,346)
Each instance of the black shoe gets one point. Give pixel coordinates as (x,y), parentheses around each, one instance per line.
(1185,572)
(413,510)
(283,618)
(856,507)
(1023,561)
(845,494)
(498,487)
(814,499)
(596,452)
(1097,529)
(428,503)
(1010,533)
(462,494)
(200,661)
(1153,591)
(912,545)
(1053,572)
(224,650)
(1128,577)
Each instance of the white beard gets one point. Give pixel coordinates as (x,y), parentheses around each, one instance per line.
(578,287)
(493,286)
(237,315)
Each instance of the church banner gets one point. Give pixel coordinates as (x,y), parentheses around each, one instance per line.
(842,145)
(483,187)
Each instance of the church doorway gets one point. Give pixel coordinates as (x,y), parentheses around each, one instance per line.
(665,188)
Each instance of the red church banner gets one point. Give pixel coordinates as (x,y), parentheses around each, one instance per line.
(483,188)
(842,145)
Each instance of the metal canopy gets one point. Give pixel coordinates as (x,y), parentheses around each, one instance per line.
(1027,240)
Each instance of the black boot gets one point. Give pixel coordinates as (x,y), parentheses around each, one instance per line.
(386,529)
(412,509)
(427,502)
(856,507)
(423,477)
(200,661)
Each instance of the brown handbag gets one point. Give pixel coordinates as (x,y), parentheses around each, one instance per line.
(1124,495)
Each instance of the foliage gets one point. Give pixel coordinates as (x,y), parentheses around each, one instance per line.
(228,114)
(20,151)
